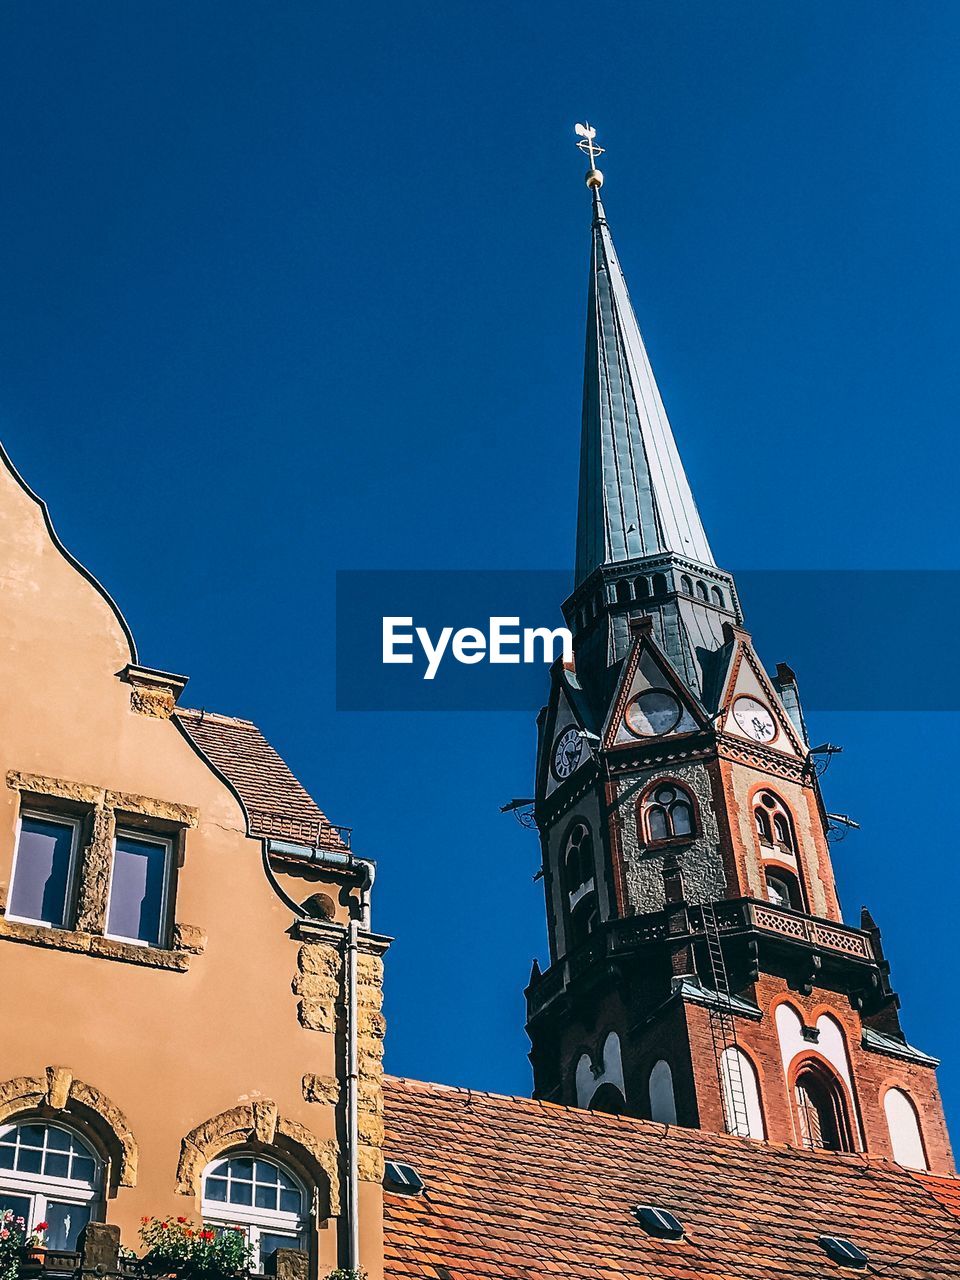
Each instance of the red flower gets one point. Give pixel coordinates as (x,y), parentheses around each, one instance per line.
(144,1221)
(207,1235)
(181,1220)
(41,1226)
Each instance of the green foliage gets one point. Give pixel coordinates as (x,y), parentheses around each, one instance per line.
(175,1247)
(347,1273)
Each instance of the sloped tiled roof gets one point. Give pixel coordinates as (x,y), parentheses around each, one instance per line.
(518,1189)
(276,803)
(947,1190)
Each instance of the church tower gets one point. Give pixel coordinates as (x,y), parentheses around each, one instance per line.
(701,972)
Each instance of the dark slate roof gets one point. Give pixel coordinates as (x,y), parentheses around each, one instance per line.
(635,499)
(521,1190)
(276,803)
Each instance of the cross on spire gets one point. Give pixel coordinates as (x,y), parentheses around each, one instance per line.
(587,142)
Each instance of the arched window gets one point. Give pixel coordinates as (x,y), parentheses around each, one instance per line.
(686,585)
(623,591)
(584,918)
(663,1105)
(717,597)
(822,1119)
(641,589)
(741,1094)
(667,813)
(904,1130)
(608,1098)
(47,1174)
(763,826)
(773,822)
(578,868)
(266,1202)
(702,591)
(783,890)
(659,584)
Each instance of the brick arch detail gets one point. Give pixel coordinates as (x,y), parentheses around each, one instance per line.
(55,1091)
(258,1123)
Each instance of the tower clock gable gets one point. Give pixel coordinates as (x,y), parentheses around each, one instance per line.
(650,701)
(564,747)
(751,706)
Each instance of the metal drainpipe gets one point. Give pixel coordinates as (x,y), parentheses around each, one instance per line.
(353,1167)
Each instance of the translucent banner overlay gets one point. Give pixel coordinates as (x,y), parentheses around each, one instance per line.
(859,640)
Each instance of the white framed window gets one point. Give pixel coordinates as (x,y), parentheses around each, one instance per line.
(267,1202)
(139,888)
(47,1174)
(44,869)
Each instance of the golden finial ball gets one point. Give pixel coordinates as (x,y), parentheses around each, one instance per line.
(594,179)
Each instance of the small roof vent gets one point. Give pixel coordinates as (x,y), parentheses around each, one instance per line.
(658,1222)
(401,1177)
(844,1252)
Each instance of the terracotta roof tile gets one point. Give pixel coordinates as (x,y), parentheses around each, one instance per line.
(521,1189)
(276,803)
(946,1190)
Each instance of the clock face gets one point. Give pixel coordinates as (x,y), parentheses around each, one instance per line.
(755,719)
(567,751)
(652,713)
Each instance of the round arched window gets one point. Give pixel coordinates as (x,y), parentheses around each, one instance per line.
(578,859)
(821,1110)
(774,826)
(47,1174)
(667,813)
(259,1197)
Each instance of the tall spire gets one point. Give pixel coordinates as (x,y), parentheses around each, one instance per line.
(635,499)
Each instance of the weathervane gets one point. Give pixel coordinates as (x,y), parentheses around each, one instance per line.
(587,144)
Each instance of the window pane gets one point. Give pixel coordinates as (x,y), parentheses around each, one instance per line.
(28,1160)
(83,1169)
(20,1206)
(271,1241)
(6,1157)
(64,1224)
(266,1197)
(290,1201)
(658,824)
(56,1165)
(58,1140)
(682,819)
(40,881)
(215,1189)
(31,1135)
(242,1167)
(268,1174)
(241,1192)
(136,890)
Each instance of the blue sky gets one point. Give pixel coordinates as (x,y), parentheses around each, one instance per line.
(293,288)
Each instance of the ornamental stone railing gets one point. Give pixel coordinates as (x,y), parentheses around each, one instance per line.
(734,915)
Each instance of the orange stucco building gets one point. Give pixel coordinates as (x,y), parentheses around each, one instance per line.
(175,1000)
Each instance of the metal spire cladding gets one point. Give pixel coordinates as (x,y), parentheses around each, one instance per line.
(635,500)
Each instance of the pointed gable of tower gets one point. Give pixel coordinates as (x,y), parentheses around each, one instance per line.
(751,707)
(651,700)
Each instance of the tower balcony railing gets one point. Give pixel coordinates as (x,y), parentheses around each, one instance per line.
(684,922)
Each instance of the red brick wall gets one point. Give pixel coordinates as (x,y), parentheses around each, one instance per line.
(872,1073)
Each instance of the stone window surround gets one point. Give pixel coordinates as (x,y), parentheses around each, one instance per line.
(101,809)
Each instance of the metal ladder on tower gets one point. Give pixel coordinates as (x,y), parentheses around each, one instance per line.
(723,1030)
